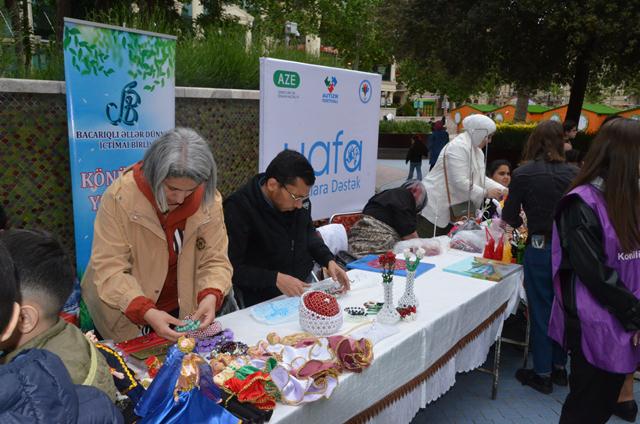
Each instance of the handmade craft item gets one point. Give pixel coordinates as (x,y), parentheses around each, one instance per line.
(388,313)
(409,299)
(353,355)
(319,313)
(183,391)
(209,331)
(305,371)
(276,311)
(407,313)
(190,325)
(355,312)
(143,343)
(211,344)
(373,307)
(123,376)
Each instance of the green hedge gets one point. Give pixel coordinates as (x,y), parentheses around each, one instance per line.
(404,127)
(406,110)
(512,137)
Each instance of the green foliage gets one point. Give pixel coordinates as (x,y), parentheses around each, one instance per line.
(359,29)
(528,43)
(513,137)
(215,56)
(404,127)
(406,109)
(219,60)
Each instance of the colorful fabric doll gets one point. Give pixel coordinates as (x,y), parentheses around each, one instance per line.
(183,391)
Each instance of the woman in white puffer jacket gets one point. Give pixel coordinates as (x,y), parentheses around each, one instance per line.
(465,174)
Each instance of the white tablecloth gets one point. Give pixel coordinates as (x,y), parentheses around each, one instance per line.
(451,307)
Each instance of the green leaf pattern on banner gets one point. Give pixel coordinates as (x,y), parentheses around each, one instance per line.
(151,58)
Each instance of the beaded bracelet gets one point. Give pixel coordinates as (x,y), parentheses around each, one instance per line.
(355,310)
(232,348)
(189,326)
(204,346)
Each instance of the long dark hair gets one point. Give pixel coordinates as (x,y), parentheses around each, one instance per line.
(615,156)
(545,142)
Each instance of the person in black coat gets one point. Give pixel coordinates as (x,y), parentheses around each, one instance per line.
(438,138)
(414,156)
(272,242)
(537,187)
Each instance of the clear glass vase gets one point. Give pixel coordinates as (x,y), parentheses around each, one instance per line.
(388,313)
(409,298)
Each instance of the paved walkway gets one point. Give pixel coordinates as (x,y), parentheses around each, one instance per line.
(469,400)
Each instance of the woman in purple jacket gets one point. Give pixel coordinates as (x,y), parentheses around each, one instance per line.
(596,268)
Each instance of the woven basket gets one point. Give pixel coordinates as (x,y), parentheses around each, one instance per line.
(316,323)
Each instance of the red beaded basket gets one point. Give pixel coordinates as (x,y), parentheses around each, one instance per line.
(320,313)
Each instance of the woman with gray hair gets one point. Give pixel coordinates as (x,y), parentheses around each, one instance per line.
(387,218)
(160,245)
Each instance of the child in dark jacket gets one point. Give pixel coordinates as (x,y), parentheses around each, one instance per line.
(35,387)
(46,281)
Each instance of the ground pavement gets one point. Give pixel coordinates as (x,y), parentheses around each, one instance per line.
(469,400)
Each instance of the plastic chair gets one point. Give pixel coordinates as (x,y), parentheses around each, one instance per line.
(348,219)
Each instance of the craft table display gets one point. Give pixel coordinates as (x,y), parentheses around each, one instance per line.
(458,320)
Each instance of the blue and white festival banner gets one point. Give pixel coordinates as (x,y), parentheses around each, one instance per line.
(120,97)
(330,115)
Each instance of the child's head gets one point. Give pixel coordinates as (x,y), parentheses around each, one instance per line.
(9,307)
(46,279)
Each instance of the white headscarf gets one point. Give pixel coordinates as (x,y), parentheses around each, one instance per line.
(478,127)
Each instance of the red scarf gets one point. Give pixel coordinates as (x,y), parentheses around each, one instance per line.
(172,221)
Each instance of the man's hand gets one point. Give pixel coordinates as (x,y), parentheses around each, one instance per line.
(338,274)
(206,311)
(289,285)
(496,193)
(160,321)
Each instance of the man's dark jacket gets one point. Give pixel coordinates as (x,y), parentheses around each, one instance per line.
(264,241)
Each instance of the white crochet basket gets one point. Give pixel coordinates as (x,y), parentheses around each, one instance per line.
(315,323)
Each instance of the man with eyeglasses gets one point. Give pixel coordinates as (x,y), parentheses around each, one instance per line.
(272,241)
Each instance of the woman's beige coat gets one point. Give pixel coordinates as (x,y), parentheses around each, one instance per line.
(129,257)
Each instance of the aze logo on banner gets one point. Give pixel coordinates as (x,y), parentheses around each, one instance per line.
(327,115)
(120,98)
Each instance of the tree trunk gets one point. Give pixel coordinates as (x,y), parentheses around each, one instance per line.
(522,104)
(16,27)
(578,89)
(26,37)
(63,9)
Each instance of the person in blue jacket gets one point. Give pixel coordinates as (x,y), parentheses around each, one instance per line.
(35,387)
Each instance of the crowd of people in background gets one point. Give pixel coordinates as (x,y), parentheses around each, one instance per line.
(581,262)
(167,248)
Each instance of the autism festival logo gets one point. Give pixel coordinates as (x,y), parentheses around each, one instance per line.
(330,97)
(364,91)
(331,83)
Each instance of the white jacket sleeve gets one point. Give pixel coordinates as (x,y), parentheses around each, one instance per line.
(459,171)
